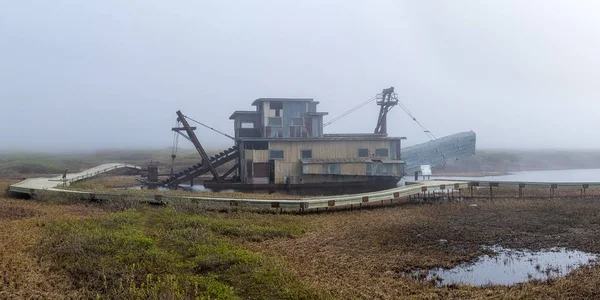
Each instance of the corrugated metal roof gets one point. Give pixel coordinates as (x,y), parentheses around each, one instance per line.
(244,112)
(260,100)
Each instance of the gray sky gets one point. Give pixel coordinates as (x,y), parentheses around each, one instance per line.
(105,74)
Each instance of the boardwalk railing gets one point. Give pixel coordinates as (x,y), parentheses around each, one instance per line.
(98,172)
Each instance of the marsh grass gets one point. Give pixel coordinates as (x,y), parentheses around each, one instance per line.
(54,247)
(162,253)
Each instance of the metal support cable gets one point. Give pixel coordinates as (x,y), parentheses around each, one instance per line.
(350,111)
(425,130)
(215,130)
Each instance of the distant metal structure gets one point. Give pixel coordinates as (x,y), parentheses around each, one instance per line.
(386,100)
(439,151)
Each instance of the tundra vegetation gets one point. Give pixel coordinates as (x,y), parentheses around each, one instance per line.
(57,247)
(63,247)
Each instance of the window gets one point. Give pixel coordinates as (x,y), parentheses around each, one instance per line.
(275,121)
(363,152)
(276,105)
(306,154)
(256,145)
(274,132)
(247,125)
(381,152)
(333,169)
(297,122)
(276,154)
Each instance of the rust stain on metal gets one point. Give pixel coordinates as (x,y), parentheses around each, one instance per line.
(397,195)
(365,199)
(331,203)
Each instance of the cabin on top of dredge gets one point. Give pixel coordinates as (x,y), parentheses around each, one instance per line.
(282,143)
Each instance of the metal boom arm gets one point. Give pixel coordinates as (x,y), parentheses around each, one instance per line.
(199,148)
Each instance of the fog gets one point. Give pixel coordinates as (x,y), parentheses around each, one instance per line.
(81,75)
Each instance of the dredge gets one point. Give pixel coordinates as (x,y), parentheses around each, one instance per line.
(281,144)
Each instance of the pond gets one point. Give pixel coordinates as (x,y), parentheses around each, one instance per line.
(581,175)
(510,266)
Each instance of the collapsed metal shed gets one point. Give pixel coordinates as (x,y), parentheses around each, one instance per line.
(439,151)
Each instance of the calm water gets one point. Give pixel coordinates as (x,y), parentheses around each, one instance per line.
(512,266)
(588,175)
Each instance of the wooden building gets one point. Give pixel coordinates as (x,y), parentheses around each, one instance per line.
(282,143)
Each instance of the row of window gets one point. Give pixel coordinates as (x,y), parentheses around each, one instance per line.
(277,121)
(278,154)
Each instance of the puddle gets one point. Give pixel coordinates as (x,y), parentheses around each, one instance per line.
(511,266)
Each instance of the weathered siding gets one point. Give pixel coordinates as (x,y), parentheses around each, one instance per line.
(327,149)
(331,178)
(345,169)
(291,166)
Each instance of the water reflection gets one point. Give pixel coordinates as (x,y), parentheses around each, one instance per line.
(510,267)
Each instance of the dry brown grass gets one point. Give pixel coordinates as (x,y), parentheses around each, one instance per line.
(22,223)
(363,253)
(366,253)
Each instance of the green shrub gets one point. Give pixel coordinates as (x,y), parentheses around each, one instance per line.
(161,253)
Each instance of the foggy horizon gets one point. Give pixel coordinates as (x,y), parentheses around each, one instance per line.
(110,75)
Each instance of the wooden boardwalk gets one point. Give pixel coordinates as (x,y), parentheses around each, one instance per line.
(35,186)
(441,188)
(32,185)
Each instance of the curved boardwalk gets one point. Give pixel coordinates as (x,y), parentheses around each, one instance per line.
(30,186)
(34,185)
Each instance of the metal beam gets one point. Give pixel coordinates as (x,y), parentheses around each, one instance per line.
(199,148)
(181,128)
(237,165)
(204,169)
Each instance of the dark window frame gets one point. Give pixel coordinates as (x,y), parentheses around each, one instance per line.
(363,154)
(302,152)
(379,154)
(277,157)
(276,105)
(280,122)
(256,145)
(292,123)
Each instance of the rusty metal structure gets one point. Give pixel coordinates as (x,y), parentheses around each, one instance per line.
(386,100)
(208,164)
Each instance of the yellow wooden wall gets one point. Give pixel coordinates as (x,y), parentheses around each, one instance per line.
(291,166)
